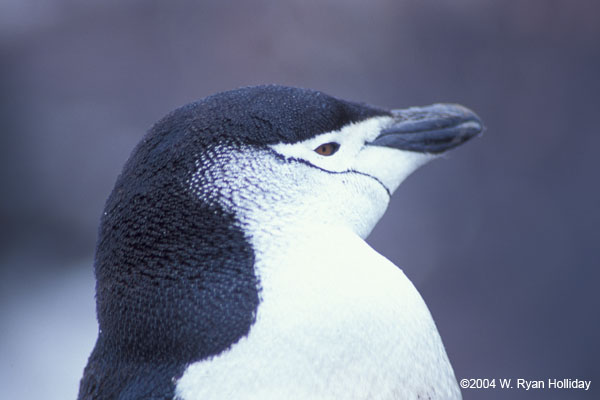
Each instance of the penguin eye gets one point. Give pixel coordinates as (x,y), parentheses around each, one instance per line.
(327,149)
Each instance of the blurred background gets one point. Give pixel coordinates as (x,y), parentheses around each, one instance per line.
(500,236)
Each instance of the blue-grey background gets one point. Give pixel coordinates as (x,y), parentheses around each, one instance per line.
(500,236)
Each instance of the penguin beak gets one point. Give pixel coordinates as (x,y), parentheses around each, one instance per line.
(431,129)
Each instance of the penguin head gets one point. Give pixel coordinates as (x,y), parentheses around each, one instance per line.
(290,157)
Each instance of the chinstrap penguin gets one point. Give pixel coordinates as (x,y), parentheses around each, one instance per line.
(231,261)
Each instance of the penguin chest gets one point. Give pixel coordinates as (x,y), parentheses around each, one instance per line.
(336,320)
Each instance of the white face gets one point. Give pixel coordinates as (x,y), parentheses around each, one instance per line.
(388,166)
(310,186)
(344,156)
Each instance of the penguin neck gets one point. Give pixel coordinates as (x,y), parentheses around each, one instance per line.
(160,265)
(304,252)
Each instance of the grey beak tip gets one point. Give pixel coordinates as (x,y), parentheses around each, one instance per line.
(430,129)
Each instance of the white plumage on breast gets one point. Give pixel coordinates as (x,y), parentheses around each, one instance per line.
(337,320)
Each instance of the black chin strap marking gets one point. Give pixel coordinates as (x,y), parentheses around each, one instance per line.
(352,171)
(349,171)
